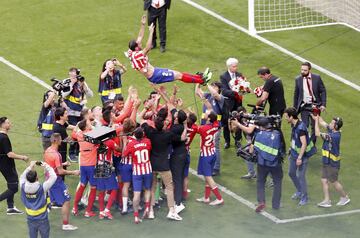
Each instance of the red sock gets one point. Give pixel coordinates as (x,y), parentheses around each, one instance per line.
(207,191)
(101,200)
(136,214)
(112,198)
(147,206)
(191,78)
(216,193)
(91,199)
(119,196)
(78,195)
(65,222)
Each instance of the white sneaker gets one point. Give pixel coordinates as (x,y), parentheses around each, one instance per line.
(69,227)
(151,215)
(343,201)
(188,190)
(179,208)
(174,216)
(324,204)
(217,202)
(202,199)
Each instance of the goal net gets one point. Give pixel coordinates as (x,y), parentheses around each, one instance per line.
(277,15)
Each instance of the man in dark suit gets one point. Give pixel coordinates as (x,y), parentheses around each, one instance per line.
(309,90)
(232,98)
(157,10)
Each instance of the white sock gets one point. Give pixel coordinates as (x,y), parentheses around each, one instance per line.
(125,203)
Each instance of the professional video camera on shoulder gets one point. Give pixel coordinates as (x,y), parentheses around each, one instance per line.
(64,85)
(269,122)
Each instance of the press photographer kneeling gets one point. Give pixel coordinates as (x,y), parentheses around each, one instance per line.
(267,149)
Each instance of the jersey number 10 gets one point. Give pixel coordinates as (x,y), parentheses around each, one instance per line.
(142,156)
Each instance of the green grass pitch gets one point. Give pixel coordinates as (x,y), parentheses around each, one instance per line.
(47,37)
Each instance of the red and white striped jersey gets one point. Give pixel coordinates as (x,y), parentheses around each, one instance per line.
(190,134)
(140,152)
(127,159)
(138,59)
(108,154)
(207,134)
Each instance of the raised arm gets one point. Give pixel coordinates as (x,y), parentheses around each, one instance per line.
(214,92)
(52,177)
(149,41)
(142,30)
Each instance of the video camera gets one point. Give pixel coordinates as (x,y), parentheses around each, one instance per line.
(314,108)
(244,153)
(60,85)
(257,117)
(64,85)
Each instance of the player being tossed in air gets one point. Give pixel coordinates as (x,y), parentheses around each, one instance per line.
(140,62)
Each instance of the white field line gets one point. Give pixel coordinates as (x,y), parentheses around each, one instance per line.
(23,72)
(239,198)
(318,216)
(272,44)
(268,215)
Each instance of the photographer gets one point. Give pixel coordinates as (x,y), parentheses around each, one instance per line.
(330,159)
(234,129)
(75,99)
(33,195)
(110,80)
(47,118)
(269,148)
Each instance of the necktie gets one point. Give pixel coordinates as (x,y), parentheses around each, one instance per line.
(157,4)
(309,88)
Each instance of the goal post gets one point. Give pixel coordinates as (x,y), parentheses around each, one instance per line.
(279,15)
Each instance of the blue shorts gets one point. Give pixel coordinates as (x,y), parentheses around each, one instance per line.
(206,165)
(87,175)
(142,180)
(59,193)
(116,163)
(162,76)
(187,164)
(126,172)
(110,183)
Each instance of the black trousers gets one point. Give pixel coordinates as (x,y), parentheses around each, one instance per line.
(12,181)
(158,14)
(277,176)
(177,167)
(227,134)
(307,119)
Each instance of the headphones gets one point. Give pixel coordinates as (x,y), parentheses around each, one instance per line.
(338,122)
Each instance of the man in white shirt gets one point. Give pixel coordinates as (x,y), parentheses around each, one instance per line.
(157,11)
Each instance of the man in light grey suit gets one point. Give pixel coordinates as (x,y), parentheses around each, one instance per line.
(309,90)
